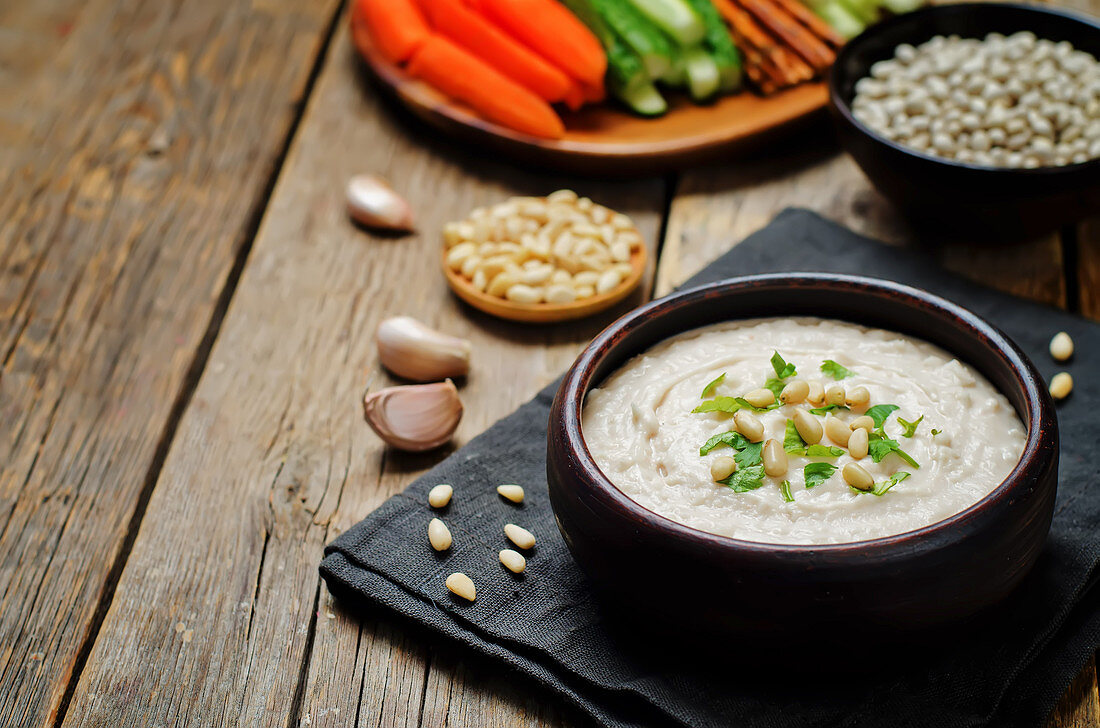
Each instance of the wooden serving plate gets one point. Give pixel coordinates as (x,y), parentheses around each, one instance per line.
(544,313)
(605,138)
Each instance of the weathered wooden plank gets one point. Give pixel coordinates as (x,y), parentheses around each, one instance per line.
(272,458)
(1088,267)
(137,141)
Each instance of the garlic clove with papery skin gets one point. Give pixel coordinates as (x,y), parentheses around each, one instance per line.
(373,203)
(414,351)
(414,417)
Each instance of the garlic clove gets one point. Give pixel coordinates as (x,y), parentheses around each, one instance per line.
(373,203)
(411,350)
(414,417)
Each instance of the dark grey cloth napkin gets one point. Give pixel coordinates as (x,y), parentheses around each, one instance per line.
(1007,668)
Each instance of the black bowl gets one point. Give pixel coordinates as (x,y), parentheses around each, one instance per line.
(663,573)
(970,198)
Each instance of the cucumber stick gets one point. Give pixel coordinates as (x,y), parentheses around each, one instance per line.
(627,78)
(720,45)
(703,77)
(675,17)
(842,20)
(639,34)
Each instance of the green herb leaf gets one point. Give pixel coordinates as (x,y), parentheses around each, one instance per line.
(792,441)
(785,491)
(881,446)
(880,488)
(732,438)
(783,369)
(834,370)
(709,389)
(880,412)
(729,405)
(776,386)
(817,473)
(823,451)
(745,479)
(910,427)
(936,432)
(822,411)
(749,455)
(745,404)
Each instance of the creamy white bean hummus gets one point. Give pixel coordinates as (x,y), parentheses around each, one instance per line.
(642,432)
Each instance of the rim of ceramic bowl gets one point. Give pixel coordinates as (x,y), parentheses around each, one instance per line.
(842,107)
(1038,407)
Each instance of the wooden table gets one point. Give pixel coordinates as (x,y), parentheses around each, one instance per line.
(186,321)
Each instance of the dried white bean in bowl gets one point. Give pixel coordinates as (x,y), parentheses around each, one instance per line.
(1015,101)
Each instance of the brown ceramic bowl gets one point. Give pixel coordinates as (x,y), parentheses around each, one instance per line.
(669,575)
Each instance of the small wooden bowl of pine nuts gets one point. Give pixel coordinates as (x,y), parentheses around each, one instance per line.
(976,118)
(543,259)
(657,571)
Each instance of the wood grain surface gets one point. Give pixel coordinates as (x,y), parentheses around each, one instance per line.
(164,504)
(136,144)
(272,457)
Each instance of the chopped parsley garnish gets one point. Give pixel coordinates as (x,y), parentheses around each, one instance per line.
(936,432)
(749,455)
(783,369)
(822,411)
(785,491)
(880,412)
(910,427)
(824,451)
(836,371)
(709,389)
(880,446)
(818,473)
(729,405)
(745,479)
(792,441)
(880,488)
(732,439)
(776,386)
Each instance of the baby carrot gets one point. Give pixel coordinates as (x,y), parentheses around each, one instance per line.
(547,27)
(451,18)
(574,97)
(465,77)
(396,27)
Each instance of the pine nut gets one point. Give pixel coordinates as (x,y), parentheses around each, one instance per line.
(794,392)
(1061,346)
(513,493)
(457,255)
(775,458)
(519,536)
(760,397)
(834,394)
(560,293)
(562,196)
(585,291)
(519,293)
(816,394)
(858,397)
(439,536)
(809,429)
(863,422)
(440,495)
(1061,385)
(513,561)
(748,425)
(857,443)
(722,467)
(608,281)
(857,477)
(837,431)
(586,278)
(462,585)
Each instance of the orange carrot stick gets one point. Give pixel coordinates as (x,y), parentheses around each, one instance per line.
(463,76)
(396,27)
(453,19)
(548,28)
(574,97)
